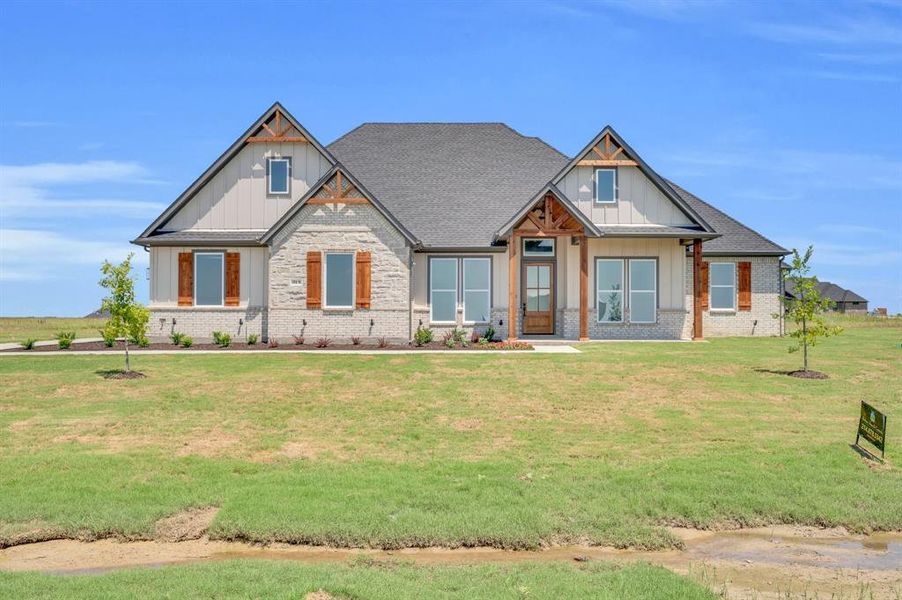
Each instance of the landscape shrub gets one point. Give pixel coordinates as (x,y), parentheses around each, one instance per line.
(176,338)
(274,343)
(323,343)
(186,341)
(459,335)
(489,334)
(141,340)
(382,342)
(422,336)
(252,339)
(355,340)
(474,337)
(108,333)
(298,340)
(29,344)
(65,339)
(222,339)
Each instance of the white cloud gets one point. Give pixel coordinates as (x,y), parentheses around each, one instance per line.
(45,174)
(32,254)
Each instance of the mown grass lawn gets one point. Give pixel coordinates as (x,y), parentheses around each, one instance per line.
(606,446)
(269,579)
(18,329)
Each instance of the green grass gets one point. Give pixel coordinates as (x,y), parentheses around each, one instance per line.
(265,579)
(607,446)
(45,328)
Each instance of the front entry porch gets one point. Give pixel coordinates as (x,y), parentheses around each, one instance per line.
(563,272)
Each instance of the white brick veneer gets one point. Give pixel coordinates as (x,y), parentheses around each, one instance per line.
(349,228)
(200,322)
(765,301)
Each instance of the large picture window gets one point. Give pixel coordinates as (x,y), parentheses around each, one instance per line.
(279,176)
(339,276)
(443,290)
(209,278)
(477,282)
(643,281)
(609,290)
(722,284)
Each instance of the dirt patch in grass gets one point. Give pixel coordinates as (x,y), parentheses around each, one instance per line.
(120,374)
(320,595)
(473,424)
(189,524)
(209,444)
(801,374)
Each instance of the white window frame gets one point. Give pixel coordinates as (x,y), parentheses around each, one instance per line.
(534,254)
(269,161)
(464,289)
(654,291)
(326,256)
(456,289)
(221,256)
(711,287)
(616,185)
(622,289)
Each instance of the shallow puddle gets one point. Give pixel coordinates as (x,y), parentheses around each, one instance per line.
(754,563)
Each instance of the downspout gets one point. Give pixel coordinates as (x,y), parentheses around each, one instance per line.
(410,265)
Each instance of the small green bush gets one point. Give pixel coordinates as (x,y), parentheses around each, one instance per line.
(459,335)
(176,338)
(65,339)
(489,334)
(186,341)
(422,336)
(141,341)
(252,339)
(449,341)
(108,333)
(222,339)
(29,344)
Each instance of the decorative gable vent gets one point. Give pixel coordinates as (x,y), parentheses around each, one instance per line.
(338,190)
(277,129)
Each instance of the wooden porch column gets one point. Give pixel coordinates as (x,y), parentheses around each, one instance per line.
(512,287)
(697,332)
(583,288)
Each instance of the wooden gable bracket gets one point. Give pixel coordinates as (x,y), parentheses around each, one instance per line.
(551,219)
(336,194)
(277,133)
(609,156)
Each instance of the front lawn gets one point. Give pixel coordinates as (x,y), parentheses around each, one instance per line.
(606,446)
(18,329)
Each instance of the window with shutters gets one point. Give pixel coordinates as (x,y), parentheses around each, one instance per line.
(722,281)
(209,278)
(338,271)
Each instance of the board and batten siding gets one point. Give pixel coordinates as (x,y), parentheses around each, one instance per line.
(236,197)
(671,258)
(639,202)
(164,275)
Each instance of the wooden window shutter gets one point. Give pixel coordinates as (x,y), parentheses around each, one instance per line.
(232,278)
(364,279)
(314,279)
(704,285)
(745,286)
(186,278)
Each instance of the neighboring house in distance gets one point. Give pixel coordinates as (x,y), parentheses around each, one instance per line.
(397,225)
(845,301)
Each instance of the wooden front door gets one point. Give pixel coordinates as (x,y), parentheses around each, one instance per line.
(538,297)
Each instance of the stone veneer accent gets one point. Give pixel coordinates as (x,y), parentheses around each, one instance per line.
(766,292)
(344,228)
(201,321)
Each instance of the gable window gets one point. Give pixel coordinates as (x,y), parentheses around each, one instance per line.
(538,247)
(209,275)
(609,290)
(443,290)
(339,276)
(278,172)
(643,300)
(477,289)
(605,186)
(722,277)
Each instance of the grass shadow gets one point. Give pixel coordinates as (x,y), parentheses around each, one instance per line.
(119,374)
(866,454)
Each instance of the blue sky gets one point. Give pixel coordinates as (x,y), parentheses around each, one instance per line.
(786,115)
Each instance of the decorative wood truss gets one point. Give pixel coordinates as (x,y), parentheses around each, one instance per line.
(607,153)
(550,218)
(277,130)
(338,190)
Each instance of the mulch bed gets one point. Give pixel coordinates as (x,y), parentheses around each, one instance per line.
(119,374)
(808,374)
(311,345)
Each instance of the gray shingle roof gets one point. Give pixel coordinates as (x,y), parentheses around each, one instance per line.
(828,290)
(735,238)
(653,231)
(229,238)
(451,184)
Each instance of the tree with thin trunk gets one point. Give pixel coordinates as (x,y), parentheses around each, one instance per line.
(806,308)
(128,317)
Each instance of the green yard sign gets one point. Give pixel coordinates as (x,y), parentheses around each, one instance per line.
(872,427)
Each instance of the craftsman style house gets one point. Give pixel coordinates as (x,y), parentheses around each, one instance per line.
(395,226)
